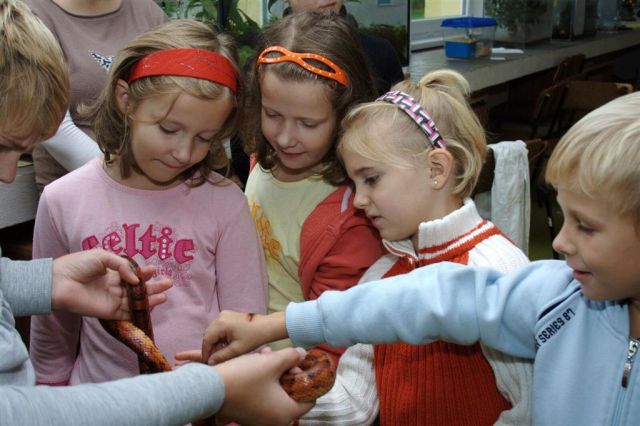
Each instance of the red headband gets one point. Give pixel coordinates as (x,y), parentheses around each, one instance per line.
(196,63)
(336,72)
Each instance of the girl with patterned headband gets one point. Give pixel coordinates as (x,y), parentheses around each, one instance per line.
(310,71)
(414,156)
(157,196)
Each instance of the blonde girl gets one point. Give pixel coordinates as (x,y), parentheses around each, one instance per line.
(156,197)
(414,156)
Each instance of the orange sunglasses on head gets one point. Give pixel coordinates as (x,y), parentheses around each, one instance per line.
(336,72)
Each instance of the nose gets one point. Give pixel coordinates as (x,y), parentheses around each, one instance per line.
(182,150)
(8,166)
(286,136)
(562,242)
(360,200)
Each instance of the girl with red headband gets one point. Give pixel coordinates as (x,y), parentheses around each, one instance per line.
(157,196)
(310,71)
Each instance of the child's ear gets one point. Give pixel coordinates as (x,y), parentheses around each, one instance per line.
(440,163)
(122,95)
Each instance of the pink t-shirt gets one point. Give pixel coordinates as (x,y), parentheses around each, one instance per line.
(203,238)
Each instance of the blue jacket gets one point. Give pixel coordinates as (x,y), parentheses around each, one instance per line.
(581,347)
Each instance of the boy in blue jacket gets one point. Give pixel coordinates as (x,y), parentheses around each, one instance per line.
(579,319)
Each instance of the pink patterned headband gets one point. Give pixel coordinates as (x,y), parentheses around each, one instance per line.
(418,114)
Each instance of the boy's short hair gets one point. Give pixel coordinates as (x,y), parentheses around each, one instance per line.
(600,156)
(34,87)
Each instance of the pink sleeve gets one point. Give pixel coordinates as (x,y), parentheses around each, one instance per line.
(240,265)
(54,337)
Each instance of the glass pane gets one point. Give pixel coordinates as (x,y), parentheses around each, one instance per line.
(429,9)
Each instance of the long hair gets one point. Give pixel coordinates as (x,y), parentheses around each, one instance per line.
(325,34)
(112,126)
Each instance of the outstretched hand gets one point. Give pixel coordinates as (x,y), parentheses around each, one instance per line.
(235,333)
(90,283)
(253,394)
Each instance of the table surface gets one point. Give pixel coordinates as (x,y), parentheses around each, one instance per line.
(501,68)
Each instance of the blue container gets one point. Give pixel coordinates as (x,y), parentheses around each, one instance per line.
(468,38)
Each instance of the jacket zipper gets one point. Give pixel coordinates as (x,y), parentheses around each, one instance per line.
(628,365)
(626,373)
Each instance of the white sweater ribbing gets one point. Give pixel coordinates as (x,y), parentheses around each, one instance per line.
(354,400)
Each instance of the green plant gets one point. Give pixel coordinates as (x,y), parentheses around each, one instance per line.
(243,28)
(515,14)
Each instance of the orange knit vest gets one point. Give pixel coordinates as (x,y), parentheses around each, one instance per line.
(438,383)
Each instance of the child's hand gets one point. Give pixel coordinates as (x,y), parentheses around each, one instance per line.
(253,394)
(234,333)
(89,283)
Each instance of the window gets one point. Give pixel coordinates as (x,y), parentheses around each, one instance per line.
(426,16)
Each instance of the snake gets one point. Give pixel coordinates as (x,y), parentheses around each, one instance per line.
(316,375)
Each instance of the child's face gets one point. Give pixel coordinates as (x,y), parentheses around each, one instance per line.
(298,121)
(165,145)
(601,247)
(10,151)
(396,199)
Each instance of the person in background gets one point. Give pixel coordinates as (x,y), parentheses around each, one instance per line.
(35,97)
(309,72)
(161,120)
(578,319)
(381,56)
(90,33)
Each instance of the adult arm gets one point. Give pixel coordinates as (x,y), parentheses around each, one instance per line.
(173,398)
(70,146)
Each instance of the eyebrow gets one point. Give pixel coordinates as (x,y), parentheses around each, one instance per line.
(362,170)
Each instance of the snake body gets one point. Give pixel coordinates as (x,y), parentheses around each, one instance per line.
(316,378)
(137,334)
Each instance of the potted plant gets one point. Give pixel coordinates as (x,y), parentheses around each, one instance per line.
(520,22)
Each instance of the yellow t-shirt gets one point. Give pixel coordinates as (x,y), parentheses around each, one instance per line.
(279,209)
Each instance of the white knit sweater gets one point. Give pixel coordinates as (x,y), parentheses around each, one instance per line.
(354,400)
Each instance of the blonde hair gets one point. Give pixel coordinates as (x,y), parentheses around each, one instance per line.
(325,34)
(443,94)
(600,156)
(34,87)
(112,126)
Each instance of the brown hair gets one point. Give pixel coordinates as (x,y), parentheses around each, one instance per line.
(34,87)
(325,34)
(112,126)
